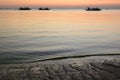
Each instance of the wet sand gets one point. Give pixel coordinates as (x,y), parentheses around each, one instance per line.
(86,68)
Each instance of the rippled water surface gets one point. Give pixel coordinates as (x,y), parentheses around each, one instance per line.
(34,35)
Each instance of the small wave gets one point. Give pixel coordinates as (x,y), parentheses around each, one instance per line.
(78,56)
(28,56)
(45,53)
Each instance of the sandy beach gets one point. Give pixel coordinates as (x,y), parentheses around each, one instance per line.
(88,68)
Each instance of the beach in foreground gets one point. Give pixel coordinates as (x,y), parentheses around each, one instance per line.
(87,68)
(59,45)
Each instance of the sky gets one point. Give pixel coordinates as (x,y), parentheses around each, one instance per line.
(60,3)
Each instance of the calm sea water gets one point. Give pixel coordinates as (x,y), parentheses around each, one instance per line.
(34,35)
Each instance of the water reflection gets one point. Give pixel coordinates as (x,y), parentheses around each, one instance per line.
(57,33)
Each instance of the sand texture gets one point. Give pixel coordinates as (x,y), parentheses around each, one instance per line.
(90,68)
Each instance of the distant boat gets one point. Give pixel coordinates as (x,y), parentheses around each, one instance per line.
(24,8)
(44,8)
(93,9)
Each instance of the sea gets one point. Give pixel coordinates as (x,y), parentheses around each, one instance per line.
(33,35)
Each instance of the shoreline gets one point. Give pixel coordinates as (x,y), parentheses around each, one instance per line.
(63,57)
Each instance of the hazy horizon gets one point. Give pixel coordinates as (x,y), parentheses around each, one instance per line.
(61,8)
(70,4)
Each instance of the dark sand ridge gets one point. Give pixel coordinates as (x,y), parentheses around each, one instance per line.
(83,67)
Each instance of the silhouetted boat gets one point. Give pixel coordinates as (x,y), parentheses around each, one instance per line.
(93,9)
(44,8)
(24,8)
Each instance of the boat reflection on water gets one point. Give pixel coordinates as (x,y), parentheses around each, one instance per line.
(44,9)
(93,9)
(24,8)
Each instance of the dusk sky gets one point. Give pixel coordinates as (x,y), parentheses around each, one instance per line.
(60,3)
